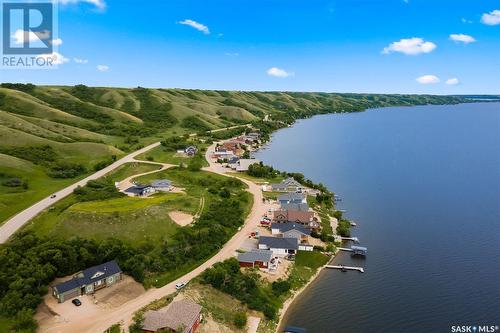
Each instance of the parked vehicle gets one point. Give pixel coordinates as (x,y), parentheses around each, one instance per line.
(76,302)
(52,196)
(180,285)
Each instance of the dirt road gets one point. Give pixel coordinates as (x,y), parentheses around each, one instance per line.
(97,324)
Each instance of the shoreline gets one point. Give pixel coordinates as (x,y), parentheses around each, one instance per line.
(295,295)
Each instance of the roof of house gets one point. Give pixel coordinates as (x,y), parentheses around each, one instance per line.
(287,182)
(255,255)
(279,243)
(233,159)
(292,197)
(177,314)
(284,227)
(161,183)
(137,188)
(301,207)
(89,276)
(294,215)
(244,163)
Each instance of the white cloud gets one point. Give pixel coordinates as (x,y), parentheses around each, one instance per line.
(80,61)
(428,79)
(198,26)
(492,18)
(18,36)
(57,42)
(232,54)
(466,39)
(102,68)
(278,72)
(453,81)
(410,46)
(101,4)
(464,20)
(57,58)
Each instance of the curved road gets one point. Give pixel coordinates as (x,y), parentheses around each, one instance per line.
(125,312)
(17,221)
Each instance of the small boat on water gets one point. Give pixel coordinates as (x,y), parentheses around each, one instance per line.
(343,269)
(352,223)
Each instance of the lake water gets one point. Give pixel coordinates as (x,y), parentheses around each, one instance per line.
(423,184)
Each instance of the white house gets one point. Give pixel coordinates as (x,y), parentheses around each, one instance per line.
(280,247)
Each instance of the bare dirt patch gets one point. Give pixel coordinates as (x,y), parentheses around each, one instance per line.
(181,218)
(51,314)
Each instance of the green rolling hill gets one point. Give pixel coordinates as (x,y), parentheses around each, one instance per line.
(50,136)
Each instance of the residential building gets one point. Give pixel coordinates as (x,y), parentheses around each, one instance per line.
(292,198)
(301,207)
(279,246)
(140,190)
(287,185)
(163,185)
(88,281)
(291,230)
(182,316)
(255,258)
(190,150)
(306,218)
(243,164)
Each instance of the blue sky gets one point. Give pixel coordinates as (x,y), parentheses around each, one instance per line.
(309,45)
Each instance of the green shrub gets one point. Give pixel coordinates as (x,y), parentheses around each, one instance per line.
(240,319)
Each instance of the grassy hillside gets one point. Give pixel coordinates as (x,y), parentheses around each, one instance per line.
(64,133)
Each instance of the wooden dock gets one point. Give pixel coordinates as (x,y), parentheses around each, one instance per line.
(349,268)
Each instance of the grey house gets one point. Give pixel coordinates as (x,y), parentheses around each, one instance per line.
(88,281)
(288,185)
(163,185)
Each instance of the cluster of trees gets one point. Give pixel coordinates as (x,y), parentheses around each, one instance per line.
(262,171)
(99,189)
(227,277)
(30,263)
(194,123)
(154,112)
(12,181)
(344,228)
(174,143)
(46,156)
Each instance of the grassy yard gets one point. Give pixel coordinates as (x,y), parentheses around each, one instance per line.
(131,169)
(306,265)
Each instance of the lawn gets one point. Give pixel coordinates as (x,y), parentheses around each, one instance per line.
(130,169)
(306,265)
(324,214)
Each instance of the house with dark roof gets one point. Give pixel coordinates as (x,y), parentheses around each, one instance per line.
(291,230)
(287,185)
(140,190)
(255,258)
(301,207)
(279,246)
(182,316)
(292,198)
(88,281)
(190,150)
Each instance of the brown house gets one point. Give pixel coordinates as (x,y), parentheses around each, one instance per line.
(182,316)
(255,258)
(306,218)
